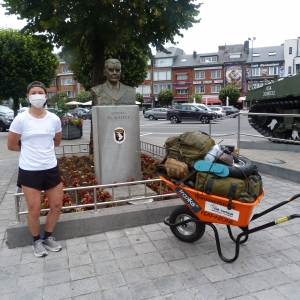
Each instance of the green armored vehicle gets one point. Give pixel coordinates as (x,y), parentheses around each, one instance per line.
(281,97)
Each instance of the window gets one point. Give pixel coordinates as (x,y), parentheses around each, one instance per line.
(207,59)
(148,77)
(144,89)
(162,75)
(290,70)
(215,88)
(216,74)
(235,55)
(182,91)
(256,71)
(161,87)
(273,71)
(200,75)
(65,69)
(71,94)
(297,67)
(163,62)
(67,81)
(199,89)
(290,50)
(182,76)
(54,82)
(50,95)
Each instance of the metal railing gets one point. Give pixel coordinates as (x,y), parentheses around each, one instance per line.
(239,134)
(96,204)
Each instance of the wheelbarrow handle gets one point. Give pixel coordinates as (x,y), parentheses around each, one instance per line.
(258,215)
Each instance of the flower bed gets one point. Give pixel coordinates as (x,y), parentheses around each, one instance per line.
(79,171)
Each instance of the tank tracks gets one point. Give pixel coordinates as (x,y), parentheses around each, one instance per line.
(262,123)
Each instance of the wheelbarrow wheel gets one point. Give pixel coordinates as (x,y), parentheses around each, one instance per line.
(189,232)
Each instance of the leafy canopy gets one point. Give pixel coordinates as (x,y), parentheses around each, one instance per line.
(139,97)
(23,59)
(230,91)
(90,27)
(165,97)
(197,97)
(84,97)
(134,64)
(58,101)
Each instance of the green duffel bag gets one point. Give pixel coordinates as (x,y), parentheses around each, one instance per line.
(189,147)
(244,190)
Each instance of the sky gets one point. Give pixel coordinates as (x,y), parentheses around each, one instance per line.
(228,22)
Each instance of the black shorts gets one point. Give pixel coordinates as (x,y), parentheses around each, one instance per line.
(39,180)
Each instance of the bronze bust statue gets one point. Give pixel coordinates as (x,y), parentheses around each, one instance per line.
(113,92)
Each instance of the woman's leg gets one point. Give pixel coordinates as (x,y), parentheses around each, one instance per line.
(33,199)
(55,196)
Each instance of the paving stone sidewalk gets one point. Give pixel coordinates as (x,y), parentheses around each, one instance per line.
(148,262)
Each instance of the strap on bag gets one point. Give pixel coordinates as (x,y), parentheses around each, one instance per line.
(209,185)
(231,193)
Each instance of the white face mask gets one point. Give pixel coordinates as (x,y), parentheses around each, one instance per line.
(37,100)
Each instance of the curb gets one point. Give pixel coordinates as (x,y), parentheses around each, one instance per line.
(80,224)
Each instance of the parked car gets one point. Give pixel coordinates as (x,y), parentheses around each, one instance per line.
(155,113)
(58,112)
(89,114)
(229,110)
(204,107)
(6,117)
(79,112)
(183,112)
(219,110)
(23,109)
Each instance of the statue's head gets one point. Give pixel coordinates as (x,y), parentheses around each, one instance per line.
(112,70)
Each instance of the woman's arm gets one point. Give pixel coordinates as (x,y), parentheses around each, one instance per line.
(57,139)
(13,140)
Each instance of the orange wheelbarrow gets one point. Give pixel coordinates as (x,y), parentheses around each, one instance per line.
(187,222)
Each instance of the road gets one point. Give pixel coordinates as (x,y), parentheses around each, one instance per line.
(163,128)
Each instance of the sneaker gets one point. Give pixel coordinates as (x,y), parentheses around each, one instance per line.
(51,244)
(38,249)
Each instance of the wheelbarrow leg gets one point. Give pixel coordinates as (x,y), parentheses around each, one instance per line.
(233,238)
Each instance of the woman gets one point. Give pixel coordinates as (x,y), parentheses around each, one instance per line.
(35,133)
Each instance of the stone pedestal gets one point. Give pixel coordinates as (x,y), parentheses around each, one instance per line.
(116,140)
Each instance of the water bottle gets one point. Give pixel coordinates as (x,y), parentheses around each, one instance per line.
(211,154)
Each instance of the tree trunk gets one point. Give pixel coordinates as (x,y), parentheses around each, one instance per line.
(97,77)
(16,106)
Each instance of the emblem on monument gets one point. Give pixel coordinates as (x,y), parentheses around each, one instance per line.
(119,135)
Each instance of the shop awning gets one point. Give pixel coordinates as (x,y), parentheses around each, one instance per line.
(211,101)
(181,73)
(181,88)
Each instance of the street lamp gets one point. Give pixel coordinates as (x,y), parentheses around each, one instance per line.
(253,39)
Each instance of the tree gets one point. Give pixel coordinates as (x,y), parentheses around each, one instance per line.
(165,97)
(23,59)
(84,96)
(230,91)
(90,28)
(134,65)
(59,101)
(139,97)
(197,97)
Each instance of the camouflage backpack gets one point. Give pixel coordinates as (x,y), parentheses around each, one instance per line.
(189,147)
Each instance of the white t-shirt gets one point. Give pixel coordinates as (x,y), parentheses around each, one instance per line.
(37,150)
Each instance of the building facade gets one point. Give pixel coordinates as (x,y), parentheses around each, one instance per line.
(64,82)
(292,56)
(264,65)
